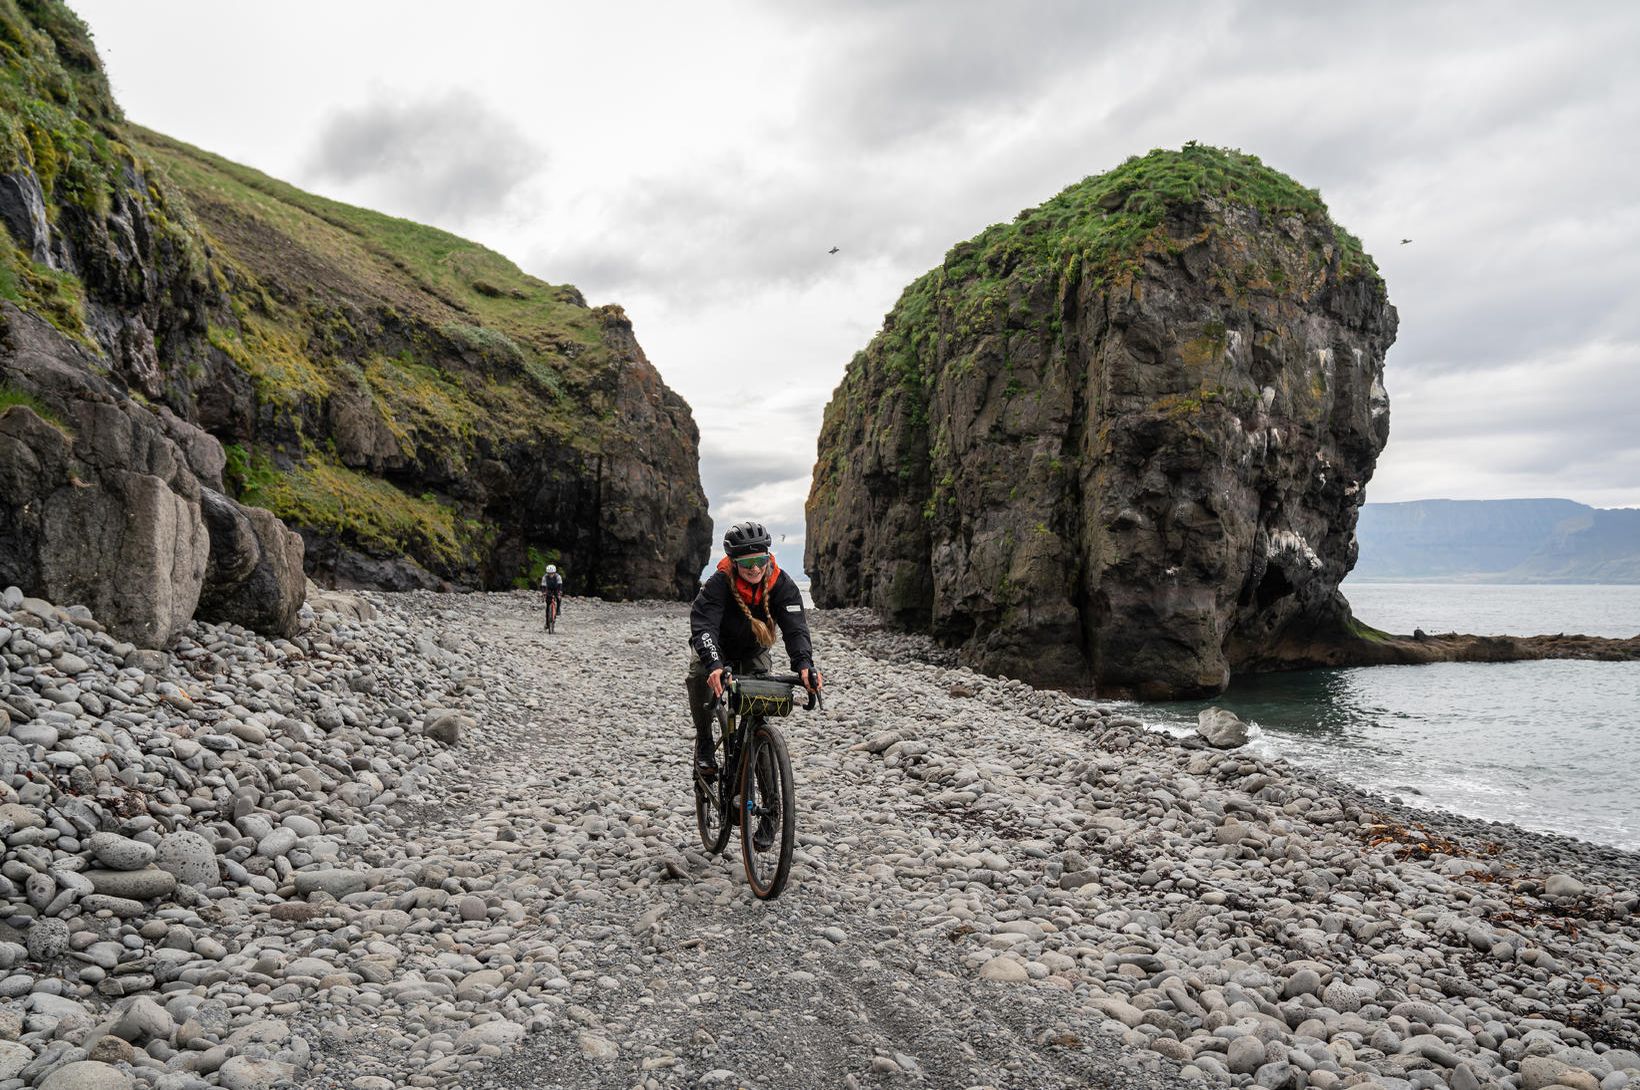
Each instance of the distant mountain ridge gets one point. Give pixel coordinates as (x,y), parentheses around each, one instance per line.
(1498,541)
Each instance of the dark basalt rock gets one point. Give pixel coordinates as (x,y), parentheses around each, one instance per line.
(337,567)
(1121,442)
(255,575)
(23,213)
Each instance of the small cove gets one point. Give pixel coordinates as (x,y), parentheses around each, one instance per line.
(1552,746)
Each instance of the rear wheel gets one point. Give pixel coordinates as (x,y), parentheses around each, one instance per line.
(711,797)
(768,829)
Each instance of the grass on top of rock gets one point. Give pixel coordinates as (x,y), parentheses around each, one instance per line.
(337,285)
(11,396)
(1102,225)
(367,259)
(58,297)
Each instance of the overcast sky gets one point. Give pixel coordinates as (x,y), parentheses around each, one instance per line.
(694,162)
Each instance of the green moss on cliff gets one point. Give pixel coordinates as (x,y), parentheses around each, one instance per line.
(1103,225)
(363,510)
(1366,632)
(11,396)
(57,117)
(276,359)
(535,565)
(415,399)
(57,297)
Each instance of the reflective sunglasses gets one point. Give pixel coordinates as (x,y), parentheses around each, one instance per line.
(752,561)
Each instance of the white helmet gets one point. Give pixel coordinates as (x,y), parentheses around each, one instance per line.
(552,569)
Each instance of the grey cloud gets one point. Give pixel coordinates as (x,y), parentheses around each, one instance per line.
(916,68)
(1510,431)
(724,228)
(728,473)
(445,159)
(1569,398)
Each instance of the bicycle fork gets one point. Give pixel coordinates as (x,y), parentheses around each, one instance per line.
(737,749)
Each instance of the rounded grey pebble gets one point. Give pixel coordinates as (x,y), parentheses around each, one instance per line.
(47,939)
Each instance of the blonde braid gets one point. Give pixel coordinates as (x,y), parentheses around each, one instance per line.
(763,631)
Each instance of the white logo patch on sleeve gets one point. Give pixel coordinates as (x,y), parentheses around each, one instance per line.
(794,609)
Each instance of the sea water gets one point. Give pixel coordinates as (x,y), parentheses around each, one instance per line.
(1552,745)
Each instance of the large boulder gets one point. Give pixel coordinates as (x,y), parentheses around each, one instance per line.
(1121,441)
(255,575)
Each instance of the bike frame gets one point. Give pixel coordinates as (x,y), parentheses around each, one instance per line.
(737,734)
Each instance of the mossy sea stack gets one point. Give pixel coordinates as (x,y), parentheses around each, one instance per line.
(413,404)
(1121,441)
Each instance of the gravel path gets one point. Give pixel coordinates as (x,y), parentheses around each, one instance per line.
(448,849)
(667,971)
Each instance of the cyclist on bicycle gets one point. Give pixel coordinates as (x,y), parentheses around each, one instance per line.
(552,586)
(740,610)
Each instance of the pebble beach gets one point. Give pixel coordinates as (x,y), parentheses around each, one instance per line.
(425,843)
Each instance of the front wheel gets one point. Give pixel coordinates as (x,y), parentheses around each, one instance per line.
(552,614)
(768,827)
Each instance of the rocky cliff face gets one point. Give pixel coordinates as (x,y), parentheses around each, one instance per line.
(421,411)
(108,504)
(1121,441)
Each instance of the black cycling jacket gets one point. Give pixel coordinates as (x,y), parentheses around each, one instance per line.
(719,633)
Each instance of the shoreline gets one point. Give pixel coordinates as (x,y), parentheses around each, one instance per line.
(922,649)
(1414,799)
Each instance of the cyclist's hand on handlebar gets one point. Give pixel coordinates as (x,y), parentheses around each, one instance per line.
(812,681)
(717,679)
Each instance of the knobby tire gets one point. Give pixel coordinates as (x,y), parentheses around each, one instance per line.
(766,779)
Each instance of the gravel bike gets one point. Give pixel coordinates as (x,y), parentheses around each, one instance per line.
(753,785)
(552,612)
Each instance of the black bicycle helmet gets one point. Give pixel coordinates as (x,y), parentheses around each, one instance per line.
(746,538)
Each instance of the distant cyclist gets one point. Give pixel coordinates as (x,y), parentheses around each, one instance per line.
(552,587)
(741,609)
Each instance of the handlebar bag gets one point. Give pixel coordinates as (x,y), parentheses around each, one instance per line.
(765,698)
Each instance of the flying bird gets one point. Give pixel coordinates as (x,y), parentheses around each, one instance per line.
(832,250)
(1404,241)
